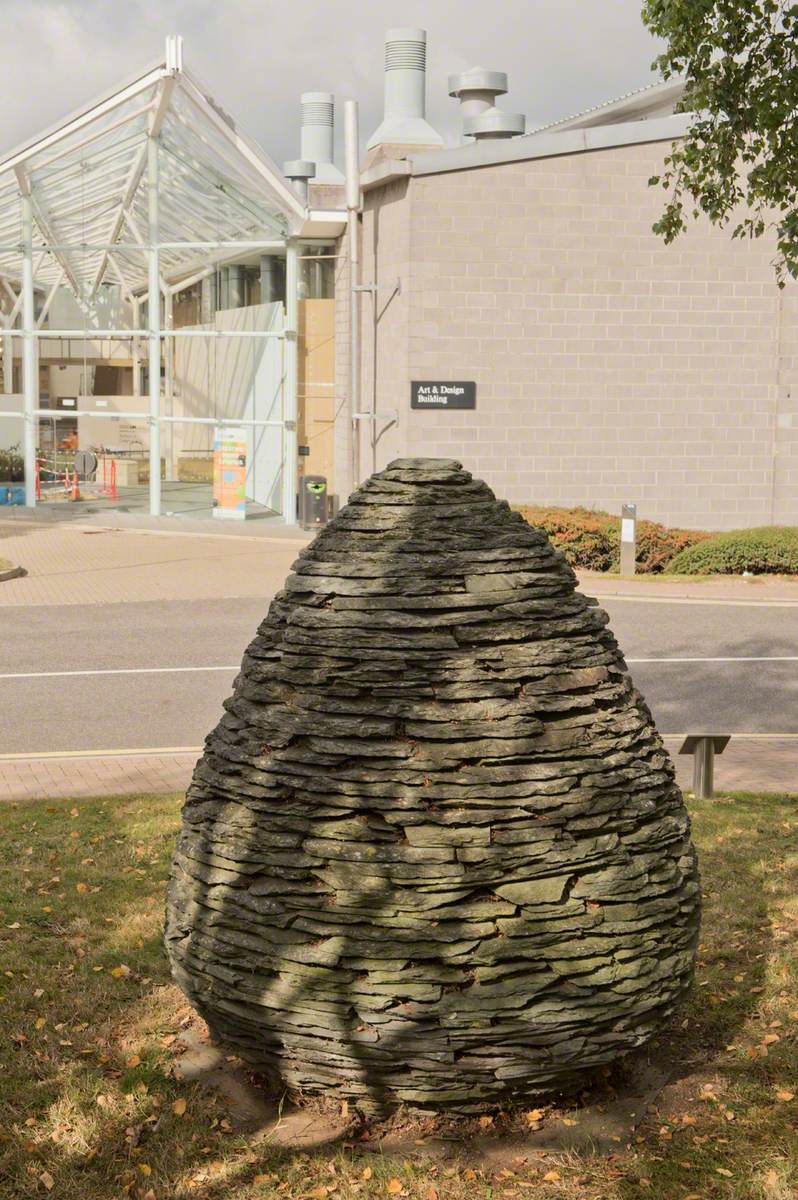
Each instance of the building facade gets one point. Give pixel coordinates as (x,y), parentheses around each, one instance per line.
(609,367)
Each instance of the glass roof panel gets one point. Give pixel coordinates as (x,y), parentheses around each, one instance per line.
(88,186)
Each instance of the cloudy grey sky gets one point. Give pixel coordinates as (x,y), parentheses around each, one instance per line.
(256,56)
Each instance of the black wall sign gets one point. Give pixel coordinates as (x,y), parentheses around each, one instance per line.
(437,394)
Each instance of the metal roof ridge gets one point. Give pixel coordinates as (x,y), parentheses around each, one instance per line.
(607,105)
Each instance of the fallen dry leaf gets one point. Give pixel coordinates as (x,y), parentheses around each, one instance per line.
(133,1061)
(534,1115)
(552,1177)
(783,1094)
(47,1179)
(367,1173)
(485,1122)
(394,1186)
(179,1106)
(723,1171)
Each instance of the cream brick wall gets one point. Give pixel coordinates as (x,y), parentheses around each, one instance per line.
(609,367)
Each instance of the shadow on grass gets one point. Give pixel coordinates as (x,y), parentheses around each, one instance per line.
(47,1081)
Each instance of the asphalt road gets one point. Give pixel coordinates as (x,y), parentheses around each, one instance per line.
(146,675)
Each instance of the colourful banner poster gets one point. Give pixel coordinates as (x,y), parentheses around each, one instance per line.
(229,472)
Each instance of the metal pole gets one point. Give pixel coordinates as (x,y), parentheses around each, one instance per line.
(352,151)
(290,367)
(30,373)
(169,388)
(154,323)
(628,538)
(704,769)
(8,364)
(136,347)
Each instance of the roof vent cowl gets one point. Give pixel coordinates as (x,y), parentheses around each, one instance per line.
(404,122)
(317,135)
(300,172)
(477,89)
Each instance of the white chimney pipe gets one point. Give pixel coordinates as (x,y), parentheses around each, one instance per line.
(317,135)
(404,121)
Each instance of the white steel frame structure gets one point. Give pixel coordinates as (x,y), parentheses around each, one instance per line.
(151,188)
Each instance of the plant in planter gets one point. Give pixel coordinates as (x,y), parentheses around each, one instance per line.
(12,465)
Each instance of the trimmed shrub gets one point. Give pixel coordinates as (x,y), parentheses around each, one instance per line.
(769,550)
(586,538)
(657,545)
(592,539)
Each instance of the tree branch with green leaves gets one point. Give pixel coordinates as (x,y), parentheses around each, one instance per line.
(738,161)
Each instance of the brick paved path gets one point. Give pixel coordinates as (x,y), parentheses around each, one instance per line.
(53,778)
(81,565)
(748,764)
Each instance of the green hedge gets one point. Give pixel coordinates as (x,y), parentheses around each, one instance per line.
(592,540)
(770,550)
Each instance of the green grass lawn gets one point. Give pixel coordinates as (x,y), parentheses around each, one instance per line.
(90,1109)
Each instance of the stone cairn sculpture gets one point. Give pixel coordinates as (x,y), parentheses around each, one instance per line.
(433,853)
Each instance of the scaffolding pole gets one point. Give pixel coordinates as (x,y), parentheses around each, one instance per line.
(154,324)
(30,373)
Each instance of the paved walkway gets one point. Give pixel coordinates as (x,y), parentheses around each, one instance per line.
(718,589)
(748,764)
(79,776)
(78,564)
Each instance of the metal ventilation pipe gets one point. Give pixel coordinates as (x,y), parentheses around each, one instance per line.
(477,89)
(299,171)
(317,135)
(404,122)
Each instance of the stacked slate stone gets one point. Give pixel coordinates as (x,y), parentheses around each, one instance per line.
(433,853)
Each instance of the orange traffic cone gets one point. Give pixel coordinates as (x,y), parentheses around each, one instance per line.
(75,492)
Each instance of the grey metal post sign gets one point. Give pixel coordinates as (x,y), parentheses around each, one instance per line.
(628,538)
(442,394)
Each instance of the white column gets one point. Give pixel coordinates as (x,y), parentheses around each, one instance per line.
(154,326)
(353,205)
(136,306)
(8,364)
(30,372)
(290,363)
(169,382)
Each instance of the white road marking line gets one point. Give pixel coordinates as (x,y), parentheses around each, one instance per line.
(113,671)
(160,751)
(774,658)
(605,597)
(741,659)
